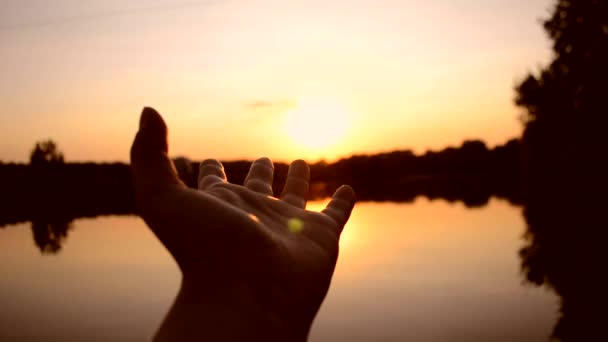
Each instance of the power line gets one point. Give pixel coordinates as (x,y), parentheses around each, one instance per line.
(103,15)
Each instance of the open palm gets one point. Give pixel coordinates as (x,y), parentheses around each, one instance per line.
(237,244)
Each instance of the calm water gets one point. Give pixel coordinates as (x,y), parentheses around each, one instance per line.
(423,271)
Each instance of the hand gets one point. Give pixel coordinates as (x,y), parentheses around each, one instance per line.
(254,267)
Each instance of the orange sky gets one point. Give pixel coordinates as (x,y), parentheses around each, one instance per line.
(232,76)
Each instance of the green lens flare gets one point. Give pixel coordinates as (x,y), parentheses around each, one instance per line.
(295,225)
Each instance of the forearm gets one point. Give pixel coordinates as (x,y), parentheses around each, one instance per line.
(199,314)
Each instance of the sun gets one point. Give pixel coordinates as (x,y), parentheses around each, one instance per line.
(317,123)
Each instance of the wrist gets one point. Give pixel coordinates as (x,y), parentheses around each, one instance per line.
(226,314)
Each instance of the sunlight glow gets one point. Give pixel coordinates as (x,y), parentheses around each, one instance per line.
(317,123)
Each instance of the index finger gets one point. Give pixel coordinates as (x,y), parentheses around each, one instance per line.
(211,172)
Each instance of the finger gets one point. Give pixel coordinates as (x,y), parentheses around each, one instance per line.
(296,185)
(210,172)
(260,175)
(341,205)
(151,167)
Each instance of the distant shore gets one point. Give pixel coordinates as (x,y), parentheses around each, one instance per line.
(471,173)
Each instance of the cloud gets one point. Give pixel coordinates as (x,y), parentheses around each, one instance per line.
(259,104)
(267,105)
(262,110)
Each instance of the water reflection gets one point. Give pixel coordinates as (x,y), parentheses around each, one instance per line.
(434,271)
(425,271)
(565,251)
(50,234)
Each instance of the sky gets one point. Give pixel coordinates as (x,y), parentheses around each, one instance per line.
(240,79)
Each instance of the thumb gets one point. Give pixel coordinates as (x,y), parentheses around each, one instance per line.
(151,167)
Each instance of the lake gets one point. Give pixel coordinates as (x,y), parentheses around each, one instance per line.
(421,271)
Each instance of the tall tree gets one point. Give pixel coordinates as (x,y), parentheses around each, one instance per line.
(566,145)
(566,104)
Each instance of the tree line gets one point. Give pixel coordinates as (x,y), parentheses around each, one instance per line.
(471,172)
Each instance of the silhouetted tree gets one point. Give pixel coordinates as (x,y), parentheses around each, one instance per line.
(46,152)
(565,143)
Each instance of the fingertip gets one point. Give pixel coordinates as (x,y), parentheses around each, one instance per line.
(152,135)
(341,205)
(299,168)
(210,162)
(265,161)
(150,118)
(346,192)
(152,169)
(301,163)
(210,167)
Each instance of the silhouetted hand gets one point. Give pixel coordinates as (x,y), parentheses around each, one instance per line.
(254,267)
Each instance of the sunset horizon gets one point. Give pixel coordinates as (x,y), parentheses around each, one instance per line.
(306,170)
(226,75)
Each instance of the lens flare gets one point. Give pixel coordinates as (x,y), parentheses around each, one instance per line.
(295,225)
